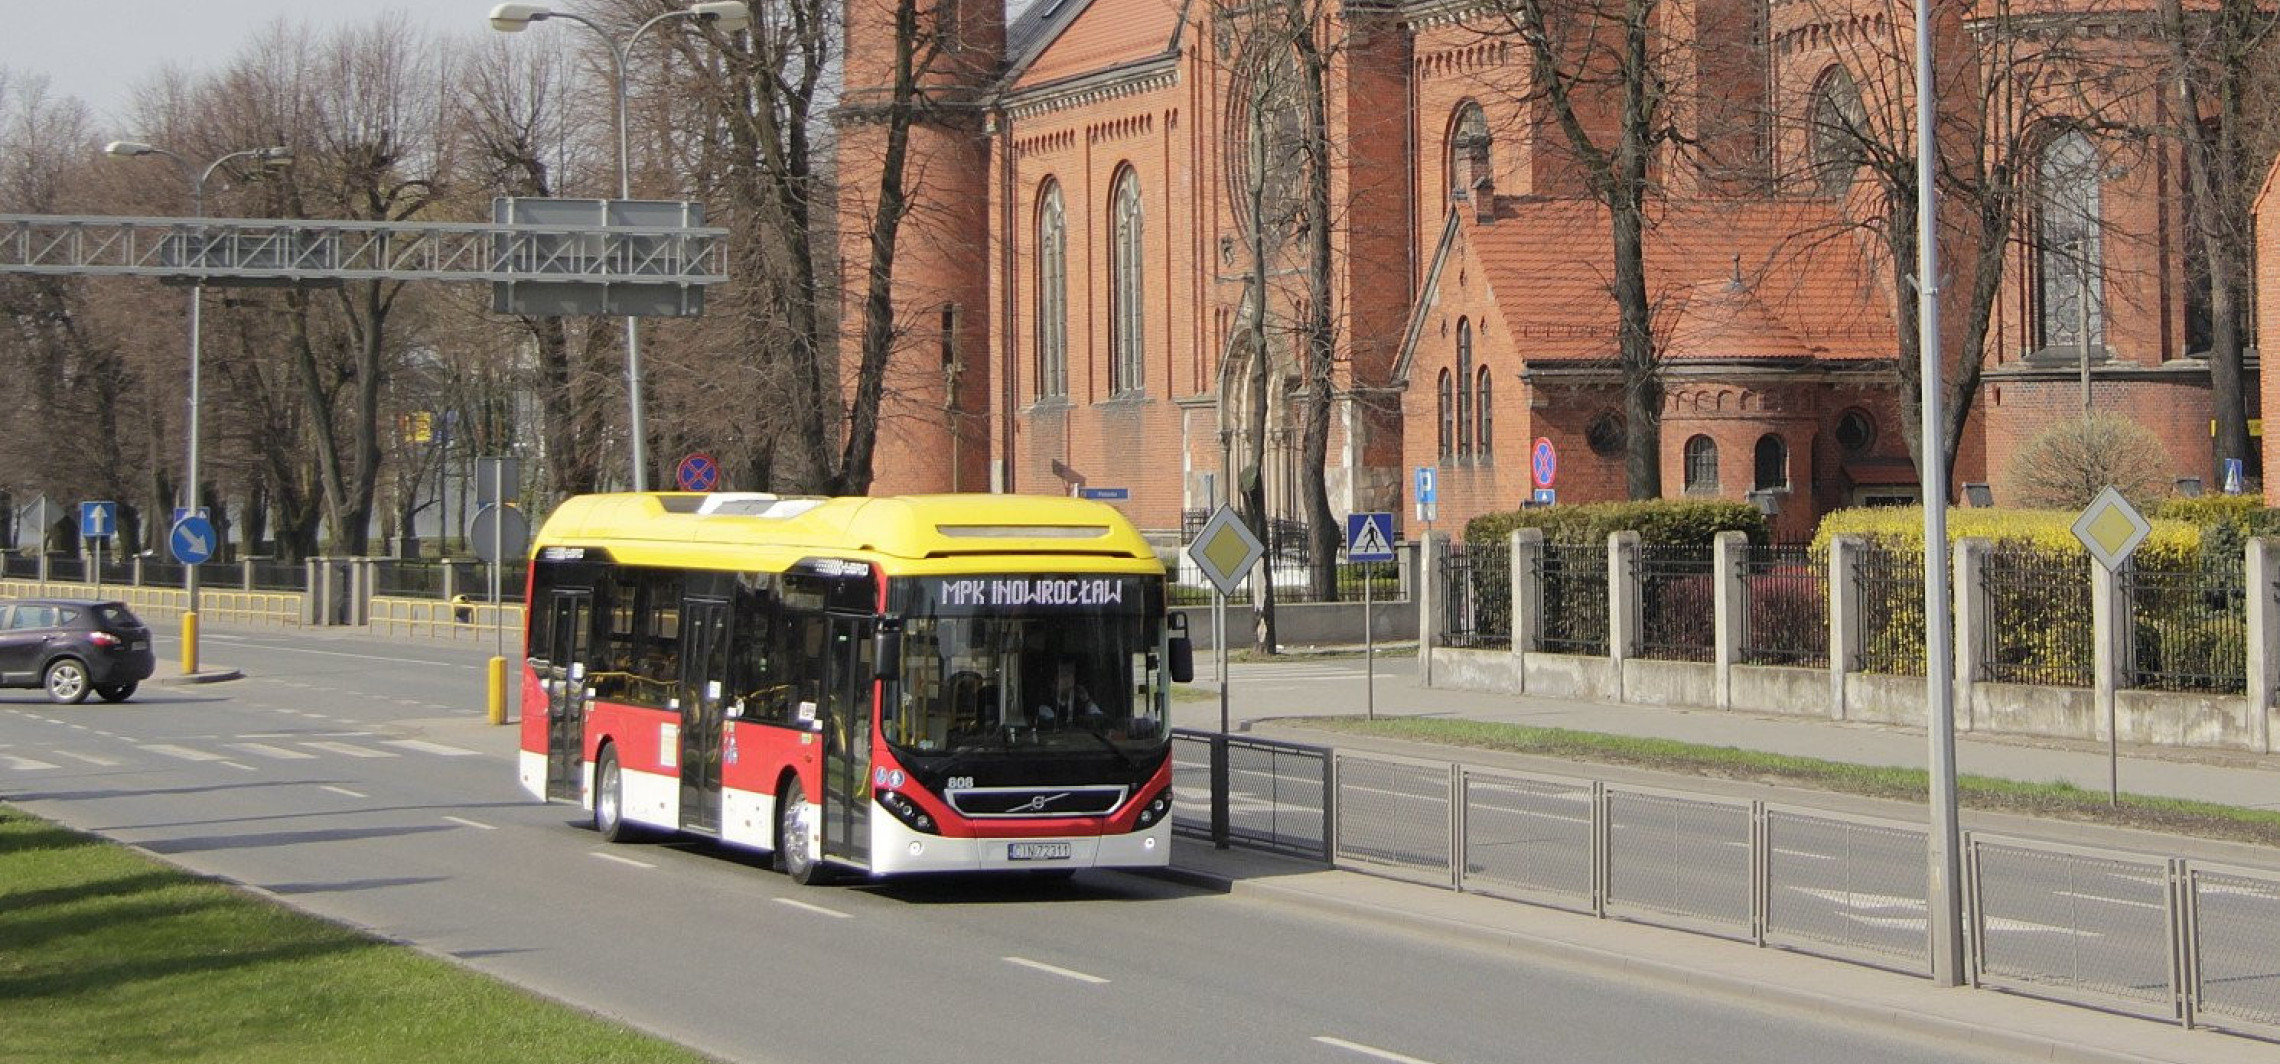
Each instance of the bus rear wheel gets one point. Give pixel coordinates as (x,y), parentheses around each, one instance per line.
(609,798)
(795,836)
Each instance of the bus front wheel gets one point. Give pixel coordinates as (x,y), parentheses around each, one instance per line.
(609,798)
(795,836)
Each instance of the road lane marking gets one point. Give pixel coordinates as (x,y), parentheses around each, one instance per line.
(346,750)
(425,747)
(25,764)
(92,759)
(183,752)
(343,791)
(463,821)
(818,909)
(624,860)
(278,752)
(241,768)
(1369,1051)
(1054,970)
(2124,902)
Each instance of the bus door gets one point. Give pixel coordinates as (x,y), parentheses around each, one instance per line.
(704,681)
(848,683)
(572,644)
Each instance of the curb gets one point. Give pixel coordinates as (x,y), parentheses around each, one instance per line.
(201,676)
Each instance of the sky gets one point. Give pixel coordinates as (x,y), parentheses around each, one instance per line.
(102,50)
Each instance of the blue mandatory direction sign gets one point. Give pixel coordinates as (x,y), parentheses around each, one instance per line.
(192,540)
(1369,537)
(98,520)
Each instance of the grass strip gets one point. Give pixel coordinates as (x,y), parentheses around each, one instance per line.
(2057,800)
(108,956)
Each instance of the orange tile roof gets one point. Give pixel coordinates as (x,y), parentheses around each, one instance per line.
(1108,33)
(1810,286)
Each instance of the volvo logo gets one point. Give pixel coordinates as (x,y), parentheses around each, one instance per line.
(1038,804)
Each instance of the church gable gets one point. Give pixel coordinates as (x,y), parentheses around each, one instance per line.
(1057,40)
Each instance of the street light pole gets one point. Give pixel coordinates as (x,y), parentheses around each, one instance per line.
(730,16)
(273,156)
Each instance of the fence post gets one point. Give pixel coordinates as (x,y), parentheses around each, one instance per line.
(1527,598)
(313,577)
(1730,602)
(137,578)
(1429,550)
(451,581)
(1973,639)
(245,574)
(2263,639)
(1845,636)
(2109,647)
(1622,602)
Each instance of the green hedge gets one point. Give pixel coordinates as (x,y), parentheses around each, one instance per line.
(1659,522)
(2171,543)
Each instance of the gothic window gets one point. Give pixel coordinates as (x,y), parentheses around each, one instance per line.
(1447,420)
(1486,436)
(1838,124)
(1772,463)
(1468,149)
(1856,431)
(1464,389)
(1606,435)
(1052,294)
(1702,466)
(1126,305)
(2069,250)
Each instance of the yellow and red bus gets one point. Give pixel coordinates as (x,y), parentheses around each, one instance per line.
(869,685)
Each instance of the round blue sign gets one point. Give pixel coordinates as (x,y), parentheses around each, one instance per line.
(1544,463)
(192,540)
(697,472)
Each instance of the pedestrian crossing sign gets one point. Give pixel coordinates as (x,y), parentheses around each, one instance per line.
(1369,537)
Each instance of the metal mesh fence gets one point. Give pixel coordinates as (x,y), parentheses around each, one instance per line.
(20,566)
(1476,596)
(2071,924)
(1683,861)
(1395,816)
(2188,629)
(1677,603)
(2237,943)
(1529,838)
(1785,613)
(1278,793)
(1574,583)
(270,574)
(1890,611)
(1847,888)
(2037,605)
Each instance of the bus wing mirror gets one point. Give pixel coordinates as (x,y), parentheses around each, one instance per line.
(890,653)
(1183,660)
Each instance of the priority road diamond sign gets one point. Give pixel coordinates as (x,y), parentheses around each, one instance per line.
(1226,550)
(2111,528)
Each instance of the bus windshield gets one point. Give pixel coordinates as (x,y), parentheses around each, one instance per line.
(1023,666)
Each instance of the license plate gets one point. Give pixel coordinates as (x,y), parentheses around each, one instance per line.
(1036,851)
(137,645)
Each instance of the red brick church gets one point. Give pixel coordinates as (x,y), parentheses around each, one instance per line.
(1073,293)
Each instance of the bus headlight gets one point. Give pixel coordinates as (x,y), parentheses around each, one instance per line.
(1157,808)
(908,812)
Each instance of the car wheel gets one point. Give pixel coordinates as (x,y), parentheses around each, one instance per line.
(67,681)
(609,798)
(796,837)
(115,692)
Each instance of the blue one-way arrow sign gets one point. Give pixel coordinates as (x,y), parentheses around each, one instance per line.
(98,520)
(192,540)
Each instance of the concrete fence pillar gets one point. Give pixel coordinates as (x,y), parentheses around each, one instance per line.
(1730,603)
(1429,606)
(1527,599)
(2263,638)
(451,581)
(2109,644)
(245,574)
(137,561)
(1846,640)
(364,576)
(313,611)
(1622,600)
(1974,640)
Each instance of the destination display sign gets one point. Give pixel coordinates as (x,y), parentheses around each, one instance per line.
(1066,592)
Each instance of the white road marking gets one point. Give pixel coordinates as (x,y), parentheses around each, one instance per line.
(1054,970)
(1369,1051)
(624,860)
(241,768)
(346,750)
(25,764)
(818,909)
(425,747)
(2125,902)
(92,759)
(464,822)
(278,752)
(343,791)
(183,752)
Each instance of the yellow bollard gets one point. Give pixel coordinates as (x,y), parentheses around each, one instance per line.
(189,643)
(498,686)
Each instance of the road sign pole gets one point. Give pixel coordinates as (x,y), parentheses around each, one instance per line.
(1369,645)
(1219,774)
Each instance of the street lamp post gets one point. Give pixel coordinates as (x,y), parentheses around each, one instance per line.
(729,16)
(273,156)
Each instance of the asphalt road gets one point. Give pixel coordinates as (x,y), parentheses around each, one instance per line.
(353,777)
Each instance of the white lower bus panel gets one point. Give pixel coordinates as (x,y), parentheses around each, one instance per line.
(896,849)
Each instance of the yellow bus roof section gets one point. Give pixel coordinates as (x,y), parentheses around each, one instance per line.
(956,531)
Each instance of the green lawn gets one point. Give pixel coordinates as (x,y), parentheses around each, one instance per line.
(107,956)
(2059,800)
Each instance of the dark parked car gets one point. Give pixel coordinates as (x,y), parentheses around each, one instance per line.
(73,646)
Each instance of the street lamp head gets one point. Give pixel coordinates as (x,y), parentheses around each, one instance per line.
(128,149)
(514,18)
(276,158)
(728,15)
